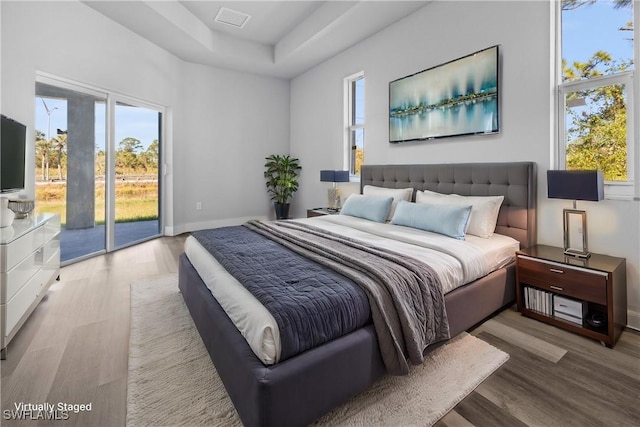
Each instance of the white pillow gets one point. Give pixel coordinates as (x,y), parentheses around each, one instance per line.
(484,209)
(397,194)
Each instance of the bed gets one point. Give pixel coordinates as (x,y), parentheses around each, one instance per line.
(304,387)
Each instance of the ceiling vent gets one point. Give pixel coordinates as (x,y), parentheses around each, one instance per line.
(232,17)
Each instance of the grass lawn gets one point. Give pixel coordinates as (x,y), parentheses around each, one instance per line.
(135,201)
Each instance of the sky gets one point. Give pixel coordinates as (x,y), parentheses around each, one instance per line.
(586,30)
(590,28)
(139,123)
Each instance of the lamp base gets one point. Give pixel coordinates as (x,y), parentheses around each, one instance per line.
(582,253)
(333,198)
(577,253)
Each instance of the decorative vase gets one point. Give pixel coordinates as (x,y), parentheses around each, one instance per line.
(282,210)
(21,207)
(6,214)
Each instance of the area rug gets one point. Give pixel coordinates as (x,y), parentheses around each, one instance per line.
(172,381)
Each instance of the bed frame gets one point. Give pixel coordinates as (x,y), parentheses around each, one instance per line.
(301,389)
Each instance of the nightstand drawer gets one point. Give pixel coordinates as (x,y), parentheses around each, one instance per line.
(588,285)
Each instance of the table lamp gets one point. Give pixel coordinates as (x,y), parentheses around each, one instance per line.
(333,199)
(575,185)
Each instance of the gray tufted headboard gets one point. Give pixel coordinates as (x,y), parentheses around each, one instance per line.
(515,181)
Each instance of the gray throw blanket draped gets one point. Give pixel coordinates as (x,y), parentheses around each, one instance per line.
(406,298)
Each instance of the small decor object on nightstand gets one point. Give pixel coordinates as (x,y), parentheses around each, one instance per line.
(575,185)
(597,320)
(333,198)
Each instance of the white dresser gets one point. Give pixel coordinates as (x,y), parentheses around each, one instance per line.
(29,264)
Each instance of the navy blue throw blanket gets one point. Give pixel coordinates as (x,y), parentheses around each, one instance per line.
(311,303)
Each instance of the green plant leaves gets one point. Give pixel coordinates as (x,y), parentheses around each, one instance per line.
(282,177)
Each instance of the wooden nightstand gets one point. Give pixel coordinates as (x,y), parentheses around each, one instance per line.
(546,278)
(321,211)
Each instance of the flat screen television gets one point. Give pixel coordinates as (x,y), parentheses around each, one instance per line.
(460,97)
(12,155)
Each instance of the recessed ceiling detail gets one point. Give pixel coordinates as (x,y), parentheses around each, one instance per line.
(284,39)
(231,17)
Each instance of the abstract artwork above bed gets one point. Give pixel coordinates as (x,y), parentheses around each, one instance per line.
(460,97)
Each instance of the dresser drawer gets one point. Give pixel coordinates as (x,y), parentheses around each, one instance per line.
(588,285)
(18,305)
(20,274)
(16,251)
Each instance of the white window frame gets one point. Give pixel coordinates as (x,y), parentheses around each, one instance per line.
(349,126)
(623,190)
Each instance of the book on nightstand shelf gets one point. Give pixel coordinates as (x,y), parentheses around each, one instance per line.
(538,300)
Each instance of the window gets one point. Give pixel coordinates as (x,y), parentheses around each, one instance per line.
(596,134)
(595,101)
(354,138)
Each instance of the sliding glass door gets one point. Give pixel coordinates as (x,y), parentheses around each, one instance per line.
(97,165)
(137,160)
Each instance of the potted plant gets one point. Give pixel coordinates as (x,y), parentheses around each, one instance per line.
(282,181)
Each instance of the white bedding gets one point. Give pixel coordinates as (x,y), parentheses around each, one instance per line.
(455,262)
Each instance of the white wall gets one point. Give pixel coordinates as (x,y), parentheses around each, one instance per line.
(231,122)
(221,124)
(435,34)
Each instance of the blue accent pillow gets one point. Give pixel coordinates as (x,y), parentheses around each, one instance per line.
(443,219)
(368,207)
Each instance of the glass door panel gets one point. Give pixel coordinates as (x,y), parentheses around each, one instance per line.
(136,161)
(69,131)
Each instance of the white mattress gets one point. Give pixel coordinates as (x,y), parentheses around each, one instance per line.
(455,262)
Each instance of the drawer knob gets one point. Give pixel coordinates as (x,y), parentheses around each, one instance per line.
(556,288)
(555,270)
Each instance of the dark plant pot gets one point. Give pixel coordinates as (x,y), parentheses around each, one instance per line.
(282,210)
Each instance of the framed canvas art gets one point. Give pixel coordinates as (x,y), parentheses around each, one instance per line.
(457,98)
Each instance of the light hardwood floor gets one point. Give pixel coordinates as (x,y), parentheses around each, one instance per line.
(74,349)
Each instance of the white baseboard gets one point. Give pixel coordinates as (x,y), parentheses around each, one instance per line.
(203,225)
(633,320)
